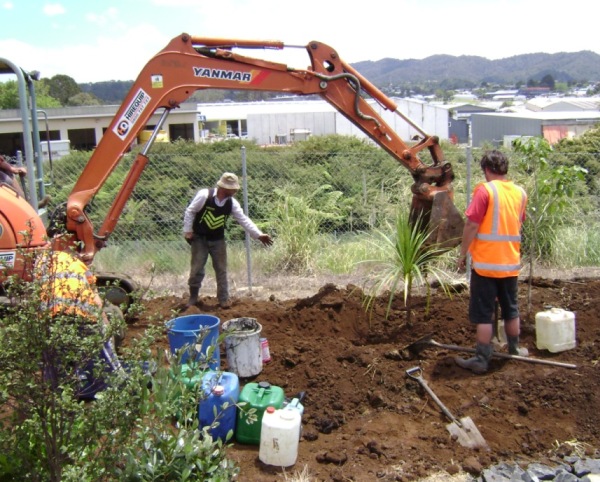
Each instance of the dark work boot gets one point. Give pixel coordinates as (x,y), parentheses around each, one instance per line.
(193,299)
(513,346)
(479,363)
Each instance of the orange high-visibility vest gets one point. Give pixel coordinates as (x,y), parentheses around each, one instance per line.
(67,286)
(496,249)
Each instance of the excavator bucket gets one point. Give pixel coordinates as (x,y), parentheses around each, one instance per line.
(440,217)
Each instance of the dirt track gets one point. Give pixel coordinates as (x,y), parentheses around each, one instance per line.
(365,420)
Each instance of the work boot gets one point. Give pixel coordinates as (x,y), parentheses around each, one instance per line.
(479,363)
(193,299)
(513,347)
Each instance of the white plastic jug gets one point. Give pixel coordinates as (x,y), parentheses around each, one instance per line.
(555,330)
(295,404)
(279,437)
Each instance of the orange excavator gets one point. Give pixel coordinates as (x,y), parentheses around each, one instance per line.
(188,64)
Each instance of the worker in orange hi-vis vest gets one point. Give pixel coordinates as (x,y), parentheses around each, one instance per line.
(492,236)
(68,288)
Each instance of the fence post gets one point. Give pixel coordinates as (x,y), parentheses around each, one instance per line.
(247,236)
(469,157)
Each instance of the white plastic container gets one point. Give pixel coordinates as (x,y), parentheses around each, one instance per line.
(279,437)
(555,330)
(295,404)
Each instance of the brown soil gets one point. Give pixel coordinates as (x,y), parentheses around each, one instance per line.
(366,420)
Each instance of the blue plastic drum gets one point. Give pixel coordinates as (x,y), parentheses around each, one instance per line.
(197,336)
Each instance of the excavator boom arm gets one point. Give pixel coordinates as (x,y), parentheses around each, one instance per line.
(188,64)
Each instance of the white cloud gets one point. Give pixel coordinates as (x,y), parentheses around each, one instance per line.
(108,17)
(116,42)
(176,3)
(104,58)
(52,9)
(7,5)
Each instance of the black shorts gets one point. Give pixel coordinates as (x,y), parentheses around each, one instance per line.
(485,291)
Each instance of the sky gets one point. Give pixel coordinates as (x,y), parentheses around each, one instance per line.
(102,40)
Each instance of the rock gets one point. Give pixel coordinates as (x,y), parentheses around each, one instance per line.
(332,458)
(586,466)
(563,476)
(472,466)
(505,473)
(541,471)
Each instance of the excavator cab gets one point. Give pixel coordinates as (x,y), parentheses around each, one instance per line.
(24,219)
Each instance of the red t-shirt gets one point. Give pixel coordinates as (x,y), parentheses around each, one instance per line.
(478,206)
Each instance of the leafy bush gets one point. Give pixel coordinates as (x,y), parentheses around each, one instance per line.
(127,432)
(51,432)
(550,188)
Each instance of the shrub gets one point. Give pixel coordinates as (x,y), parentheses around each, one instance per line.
(49,433)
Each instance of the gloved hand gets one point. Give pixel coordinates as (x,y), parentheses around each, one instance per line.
(265,239)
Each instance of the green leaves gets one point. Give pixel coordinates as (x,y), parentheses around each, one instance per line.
(405,257)
(297,219)
(550,187)
(125,433)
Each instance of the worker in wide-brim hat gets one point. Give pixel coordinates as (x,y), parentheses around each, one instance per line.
(204,224)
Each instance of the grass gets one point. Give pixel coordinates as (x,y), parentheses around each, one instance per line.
(575,246)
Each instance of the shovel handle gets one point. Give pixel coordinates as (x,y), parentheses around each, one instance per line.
(415,374)
(503,355)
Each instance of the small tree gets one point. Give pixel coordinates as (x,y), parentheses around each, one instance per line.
(62,87)
(549,189)
(45,359)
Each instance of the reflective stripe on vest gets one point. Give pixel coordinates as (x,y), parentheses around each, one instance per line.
(210,220)
(496,249)
(67,286)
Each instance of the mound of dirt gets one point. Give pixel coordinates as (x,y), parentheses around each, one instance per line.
(365,419)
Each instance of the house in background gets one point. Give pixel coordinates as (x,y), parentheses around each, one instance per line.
(282,121)
(278,122)
(552,126)
(562,104)
(459,119)
(83,127)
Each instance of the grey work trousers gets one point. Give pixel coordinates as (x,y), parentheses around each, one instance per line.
(202,248)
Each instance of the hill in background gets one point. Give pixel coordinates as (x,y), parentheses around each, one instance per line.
(463,71)
(581,66)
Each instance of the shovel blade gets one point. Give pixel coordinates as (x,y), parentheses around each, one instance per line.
(467,434)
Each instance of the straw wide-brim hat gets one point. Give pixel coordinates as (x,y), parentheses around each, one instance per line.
(229,181)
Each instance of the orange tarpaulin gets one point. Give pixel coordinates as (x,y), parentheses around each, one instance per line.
(553,134)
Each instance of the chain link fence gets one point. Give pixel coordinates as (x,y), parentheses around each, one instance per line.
(334,191)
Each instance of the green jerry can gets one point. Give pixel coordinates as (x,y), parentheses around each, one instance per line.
(190,376)
(257,396)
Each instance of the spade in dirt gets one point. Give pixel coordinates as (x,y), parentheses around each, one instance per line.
(464,430)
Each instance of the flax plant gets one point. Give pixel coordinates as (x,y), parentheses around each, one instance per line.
(406,257)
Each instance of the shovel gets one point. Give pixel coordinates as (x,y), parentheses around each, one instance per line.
(463,430)
(416,347)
